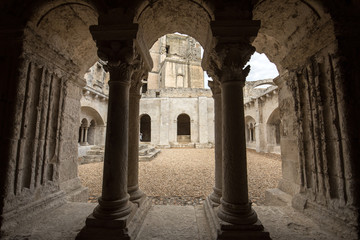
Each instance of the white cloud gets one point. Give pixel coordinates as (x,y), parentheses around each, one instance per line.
(261,68)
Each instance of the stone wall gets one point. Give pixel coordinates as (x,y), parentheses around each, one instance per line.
(164,111)
(261,106)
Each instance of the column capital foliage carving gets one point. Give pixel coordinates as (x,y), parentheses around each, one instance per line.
(215,87)
(119,57)
(228,61)
(139,73)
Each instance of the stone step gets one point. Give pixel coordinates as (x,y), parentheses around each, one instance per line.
(182,145)
(151,155)
(91,159)
(95,152)
(143,146)
(144,152)
(98,148)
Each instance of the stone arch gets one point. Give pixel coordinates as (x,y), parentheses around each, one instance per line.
(63,27)
(92,114)
(273,130)
(183,128)
(145,128)
(191,18)
(263,82)
(96,127)
(284,37)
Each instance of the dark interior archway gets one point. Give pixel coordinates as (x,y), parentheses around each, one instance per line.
(183,128)
(145,128)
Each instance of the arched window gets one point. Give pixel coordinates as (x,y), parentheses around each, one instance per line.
(183,128)
(145,128)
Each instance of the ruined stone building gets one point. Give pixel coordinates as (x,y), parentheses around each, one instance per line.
(93,112)
(47,47)
(175,109)
(262,117)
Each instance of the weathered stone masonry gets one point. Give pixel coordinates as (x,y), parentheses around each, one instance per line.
(47,48)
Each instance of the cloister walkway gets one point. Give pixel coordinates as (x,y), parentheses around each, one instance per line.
(171,223)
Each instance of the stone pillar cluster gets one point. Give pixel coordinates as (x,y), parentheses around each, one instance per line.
(121,201)
(228,208)
(136,195)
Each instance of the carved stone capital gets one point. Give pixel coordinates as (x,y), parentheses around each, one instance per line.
(229,60)
(119,57)
(139,74)
(215,87)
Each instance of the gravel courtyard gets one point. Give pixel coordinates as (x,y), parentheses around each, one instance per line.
(186,176)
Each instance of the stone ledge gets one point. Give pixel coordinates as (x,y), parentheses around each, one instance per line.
(342,223)
(14,219)
(276,197)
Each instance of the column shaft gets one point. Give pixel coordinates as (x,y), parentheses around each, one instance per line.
(86,135)
(114,200)
(235,206)
(81,135)
(133,163)
(217,193)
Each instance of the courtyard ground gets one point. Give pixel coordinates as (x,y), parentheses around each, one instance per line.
(186,176)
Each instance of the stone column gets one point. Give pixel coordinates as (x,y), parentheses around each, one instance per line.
(81,135)
(116,217)
(235,207)
(113,202)
(234,218)
(217,193)
(86,129)
(133,161)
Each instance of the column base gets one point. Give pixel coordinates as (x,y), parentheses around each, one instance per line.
(124,228)
(224,230)
(136,195)
(215,197)
(105,229)
(236,214)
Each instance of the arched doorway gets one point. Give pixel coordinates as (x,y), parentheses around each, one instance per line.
(183,128)
(145,128)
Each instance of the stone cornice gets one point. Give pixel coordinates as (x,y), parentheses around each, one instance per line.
(94,92)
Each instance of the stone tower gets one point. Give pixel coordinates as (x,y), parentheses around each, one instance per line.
(177,63)
(175,108)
